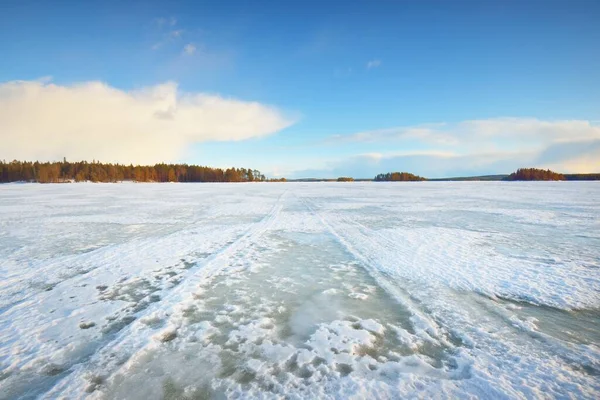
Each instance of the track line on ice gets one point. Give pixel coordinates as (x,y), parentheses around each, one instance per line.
(127,342)
(480,342)
(572,354)
(84,263)
(422,324)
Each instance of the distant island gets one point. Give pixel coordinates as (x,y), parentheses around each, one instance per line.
(522,174)
(535,174)
(398,177)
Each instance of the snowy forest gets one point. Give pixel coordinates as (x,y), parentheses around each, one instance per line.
(55,172)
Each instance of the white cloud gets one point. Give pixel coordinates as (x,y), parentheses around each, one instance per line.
(527,128)
(45,79)
(171,21)
(373,64)
(430,164)
(414,153)
(189,49)
(92,120)
(581,164)
(427,132)
(167,38)
(503,132)
(473,147)
(176,33)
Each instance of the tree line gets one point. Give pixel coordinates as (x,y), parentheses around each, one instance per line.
(398,177)
(582,177)
(535,174)
(55,172)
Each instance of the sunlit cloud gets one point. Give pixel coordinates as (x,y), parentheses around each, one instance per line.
(472,147)
(431,164)
(514,130)
(92,120)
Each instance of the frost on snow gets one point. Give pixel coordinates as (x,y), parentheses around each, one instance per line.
(323,290)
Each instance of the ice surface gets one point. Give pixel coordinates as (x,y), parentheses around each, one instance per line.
(321,290)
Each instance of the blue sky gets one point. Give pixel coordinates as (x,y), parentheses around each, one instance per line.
(343,88)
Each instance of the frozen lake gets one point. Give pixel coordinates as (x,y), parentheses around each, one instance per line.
(316,290)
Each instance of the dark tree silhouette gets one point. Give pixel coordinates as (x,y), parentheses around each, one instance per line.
(582,177)
(535,174)
(398,177)
(54,172)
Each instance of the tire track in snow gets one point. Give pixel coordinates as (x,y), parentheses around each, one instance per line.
(38,344)
(452,315)
(126,343)
(82,264)
(312,348)
(576,355)
(68,268)
(423,326)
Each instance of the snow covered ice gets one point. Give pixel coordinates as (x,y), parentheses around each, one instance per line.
(316,290)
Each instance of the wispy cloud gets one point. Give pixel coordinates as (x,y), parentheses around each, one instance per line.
(495,130)
(162,21)
(430,164)
(341,73)
(320,41)
(373,64)
(473,147)
(189,49)
(426,132)
(45,79)
(167,38)
(92,120)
